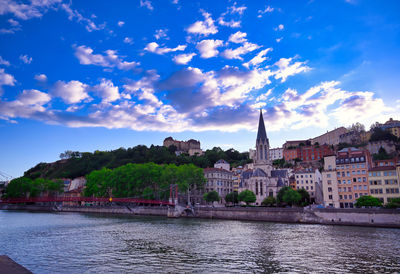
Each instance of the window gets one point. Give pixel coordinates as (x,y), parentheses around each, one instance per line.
(340,197)
(330,197)
(328,175)
(349,189)
(356,195)
(329,189)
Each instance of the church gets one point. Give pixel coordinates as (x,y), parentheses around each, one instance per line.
(263,179)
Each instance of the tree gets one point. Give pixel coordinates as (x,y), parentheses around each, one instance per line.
(211,196)
(281,192)
(232,197)
(357,127)
(394,203)
(269,201)
(291,197)
(368,201)
(247,196)
(305,197)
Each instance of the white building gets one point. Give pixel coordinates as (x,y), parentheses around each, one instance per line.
(219,180)
(311,181)
(276,153)
(330,183)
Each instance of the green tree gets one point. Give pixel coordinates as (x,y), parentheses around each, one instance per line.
(247,196)
(291,197)
(368,201)
(305,197)
(211,196)
(269,201)
(394,203)
(232,197)
(281,192)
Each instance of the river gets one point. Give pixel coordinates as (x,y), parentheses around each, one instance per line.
(80,243)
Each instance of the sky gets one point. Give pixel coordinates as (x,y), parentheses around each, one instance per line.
(100,75)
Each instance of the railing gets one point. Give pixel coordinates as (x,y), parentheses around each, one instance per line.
(82,199)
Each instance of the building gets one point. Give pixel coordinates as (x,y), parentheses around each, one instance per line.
(77,183)
(330,183)
(252,154)
(393,126)
(219,180)
(192,147)
(384,183)
(330,137)
(352,175)
(307,153)
(310,180)
(222,164)
(237,173)
(276,153)
(262,179)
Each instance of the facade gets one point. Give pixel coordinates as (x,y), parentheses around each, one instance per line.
(219,180)
(222,164)
(192,147)
(276,153)
(330,183)
(307,153)
(330,137)
(384,183)
(295,143)
(77,183)
(310,180)
(352,175)
(237,172)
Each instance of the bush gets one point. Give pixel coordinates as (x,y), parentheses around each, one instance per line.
(247,196)
(368,201)
(269,201)
(394,203)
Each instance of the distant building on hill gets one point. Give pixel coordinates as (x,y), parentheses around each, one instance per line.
(393,126)
(192,147)
(307,153)
(222,164)
(276,153)
(330,137)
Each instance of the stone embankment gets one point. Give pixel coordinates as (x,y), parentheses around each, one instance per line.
(358,217)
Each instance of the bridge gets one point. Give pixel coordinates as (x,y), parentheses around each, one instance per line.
(85,200)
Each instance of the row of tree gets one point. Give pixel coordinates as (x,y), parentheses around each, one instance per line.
(149,181)
(75,164)
(25,187)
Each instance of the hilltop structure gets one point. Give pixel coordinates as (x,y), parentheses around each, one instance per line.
(192,147)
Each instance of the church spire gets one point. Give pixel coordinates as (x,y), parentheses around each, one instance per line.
(262,134)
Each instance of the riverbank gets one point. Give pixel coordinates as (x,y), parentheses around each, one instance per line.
(355,217)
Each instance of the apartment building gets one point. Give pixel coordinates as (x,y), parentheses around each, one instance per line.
(330,183)
(384,183)
(352,176)
(310,180)
(220,180)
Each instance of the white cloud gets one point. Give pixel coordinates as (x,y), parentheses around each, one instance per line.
(13,22)
(41,77)
(278,39)
(71,92)
(161,33)
(144,88)
(128,40)
(183,59)
(208,48)
(107,91)
(205,27)
(258,59)
(175,2)
(121,23)
(4,62)
(280,27)
(146,4)
(266,10)
(74,14)
(236,53)
(35,9)
(6,79)
(238,37)
(34,97)
(230,12)
(110,59)
(26,59)
(155,48)
(287,68)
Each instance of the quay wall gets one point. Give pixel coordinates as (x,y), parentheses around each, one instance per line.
(358,217)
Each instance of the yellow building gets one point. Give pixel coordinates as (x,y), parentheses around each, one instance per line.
(384,183)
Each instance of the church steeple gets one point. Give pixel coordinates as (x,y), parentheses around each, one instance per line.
(262,134)
(262,143)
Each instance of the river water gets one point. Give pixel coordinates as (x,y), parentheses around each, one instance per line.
(79,243)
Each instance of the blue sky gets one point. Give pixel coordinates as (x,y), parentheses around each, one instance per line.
(85,75)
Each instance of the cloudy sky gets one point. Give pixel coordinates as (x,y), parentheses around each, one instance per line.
(84,75)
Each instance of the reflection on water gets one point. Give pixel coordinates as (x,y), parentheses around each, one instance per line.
(78,243)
